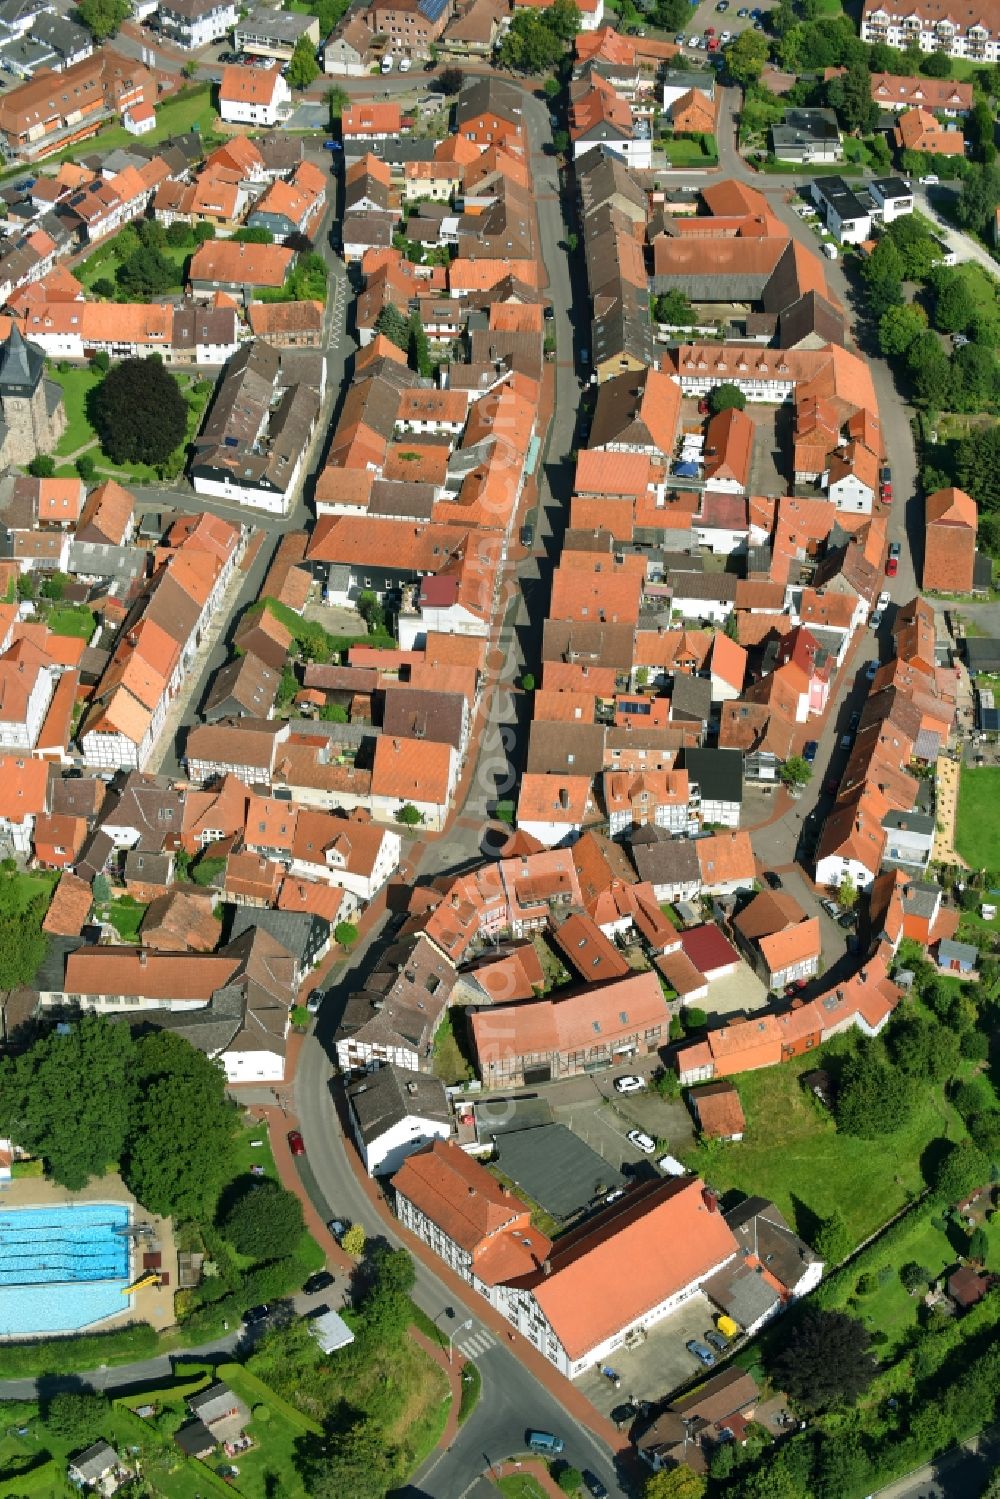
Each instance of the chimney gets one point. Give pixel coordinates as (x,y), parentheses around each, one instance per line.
(710,1198)
(546,1267)
(142,958)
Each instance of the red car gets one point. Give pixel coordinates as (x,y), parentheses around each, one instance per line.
(296,1144)
(891,567)
(886,494)
(709,30)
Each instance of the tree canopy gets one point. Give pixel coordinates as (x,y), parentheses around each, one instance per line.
(726,397)
(303,69)
(102,18)
(825,1360)
(874,1098)
(139,412)
(962,1168)
(146,273)
(746,56)
(265,1221)
(536,40)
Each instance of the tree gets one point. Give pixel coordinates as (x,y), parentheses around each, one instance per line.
(393,1270)
(54,586)
(922,1047)
(146,273)
(937,65)
(103,287)
(102,18)
(796,771)
(345,933)
(257,235)
(303,69)
(746,56)
(726,397)
(265,1222)
(203,231)
(139,412)
(352,1461)
(76,1416)
(977,464)
(418,348)
(527,681)
(914,1277)
(841,1467)
(832,1240)
(530,45)
(979,1245)
(850,95)
(69,1099)
(450,80)
(85,467)
(673,307)
(409,815)
(874,1099)
(42,466)
(930,370)
(337,100)
(975,378)
(954,304)
(899,326)
(979,130)
(207,870)
(333,713)
(979,197)
(961,1168)
(885,263)
(569,1479)
(182,1128)
(178,235)
(675,1483)
(354,1241)
(371,611)
(563,19)
(847,893)
(825,1360)
(394,326)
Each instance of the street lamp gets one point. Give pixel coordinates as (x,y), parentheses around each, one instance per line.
(462,1327)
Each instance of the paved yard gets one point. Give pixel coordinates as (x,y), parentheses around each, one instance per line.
(768,470)
(655,1366)
(334,618)
(739,991)
(604,1121)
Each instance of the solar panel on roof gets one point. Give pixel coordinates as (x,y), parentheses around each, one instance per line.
(431,8)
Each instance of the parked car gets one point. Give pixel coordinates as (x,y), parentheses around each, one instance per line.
(742,13)
(717,1340)
(855,720)
(726,36)
(796,987)
(296,1144)
(527,534)
(886,492)
(876,620)
(593,1485)
(846,740)
(810,750)
(630,1084)
(831,908)
(321,1281)
(700,1352)
(930,180)
(884,599)
(772,879)
(387,63)
(642,1141)
(830,785)
(256,1314)
(338,1227)
(405,65)
(960,340)
(680,39)
(871,670)
(314,1002)
(848,920)
(895,550)
(332,146)
(544,1441)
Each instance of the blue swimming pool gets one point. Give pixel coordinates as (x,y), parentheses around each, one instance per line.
(62,1268)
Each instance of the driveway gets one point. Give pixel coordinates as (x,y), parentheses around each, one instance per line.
(733,994)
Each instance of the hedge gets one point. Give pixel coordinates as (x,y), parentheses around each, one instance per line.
(255,1391)
(70,1355)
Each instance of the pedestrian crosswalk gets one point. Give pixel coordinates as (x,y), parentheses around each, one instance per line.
(475,1344)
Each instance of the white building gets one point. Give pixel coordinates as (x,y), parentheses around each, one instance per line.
(25,694)
(975,35)
(395,1112)
(846,214)
(253,96)
(197,23)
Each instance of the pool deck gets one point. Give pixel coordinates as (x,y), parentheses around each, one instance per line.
(153,1304)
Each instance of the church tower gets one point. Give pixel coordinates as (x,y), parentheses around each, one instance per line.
(32,414)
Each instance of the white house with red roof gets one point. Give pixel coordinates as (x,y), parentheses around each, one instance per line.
(621,1273)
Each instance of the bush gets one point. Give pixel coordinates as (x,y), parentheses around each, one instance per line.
(354,1241)
(974,1046)
(86,467)
(265,1221)
(694,1019)
(867,1284)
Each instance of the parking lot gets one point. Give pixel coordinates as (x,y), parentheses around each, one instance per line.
(706,14)
(604,1119)
(657,1364)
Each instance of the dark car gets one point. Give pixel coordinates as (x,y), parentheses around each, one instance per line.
(256,1314)
(321,1281)
(772,879)
(855,720)
(527,534)
(700,1352)
(296,1144)
(593,1485)
(810,751)
(796,987)
(717,1340)
(847,921)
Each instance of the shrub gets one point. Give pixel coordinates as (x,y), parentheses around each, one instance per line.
(867,1284)
(694,1019)
(265,1221)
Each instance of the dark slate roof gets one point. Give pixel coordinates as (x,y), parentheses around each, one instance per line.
(389,1095)
(718,772)
(290,928)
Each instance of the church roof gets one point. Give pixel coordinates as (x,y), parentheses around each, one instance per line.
(21,364)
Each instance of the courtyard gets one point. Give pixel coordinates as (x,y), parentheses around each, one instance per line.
(657,1363)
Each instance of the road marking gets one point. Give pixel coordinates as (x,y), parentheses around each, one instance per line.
(477,1343)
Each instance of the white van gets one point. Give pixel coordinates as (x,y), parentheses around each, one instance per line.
(405,65)
(387,63)
(830,251)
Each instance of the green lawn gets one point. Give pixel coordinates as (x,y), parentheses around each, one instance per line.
(977,835)
(103,263)
(19,889)
(71,619)
(520,1486)
(76,386)
(125,917)
(686,152)
(793,1153)
(172,118)
(813,169)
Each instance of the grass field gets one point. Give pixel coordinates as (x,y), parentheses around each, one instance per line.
(19,889)
(521,1486)
(104,263)
(69,619)
(977,834)
(685,152)
(793,1153)
(172,118)
(78,383)
(126,918)
(76,386)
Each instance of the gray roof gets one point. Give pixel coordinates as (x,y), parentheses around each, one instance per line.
(960,952)
(761,1228)
(389,1095)
(673,863)
(911,822)
(290,928)
(556,1168)
(215,1403)
(742,1294)
(920,899)
(718,772)
(93,1463)
(691,697)
(21,365)
(281,26)
(502,1116)
(688,585)
(982,653)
